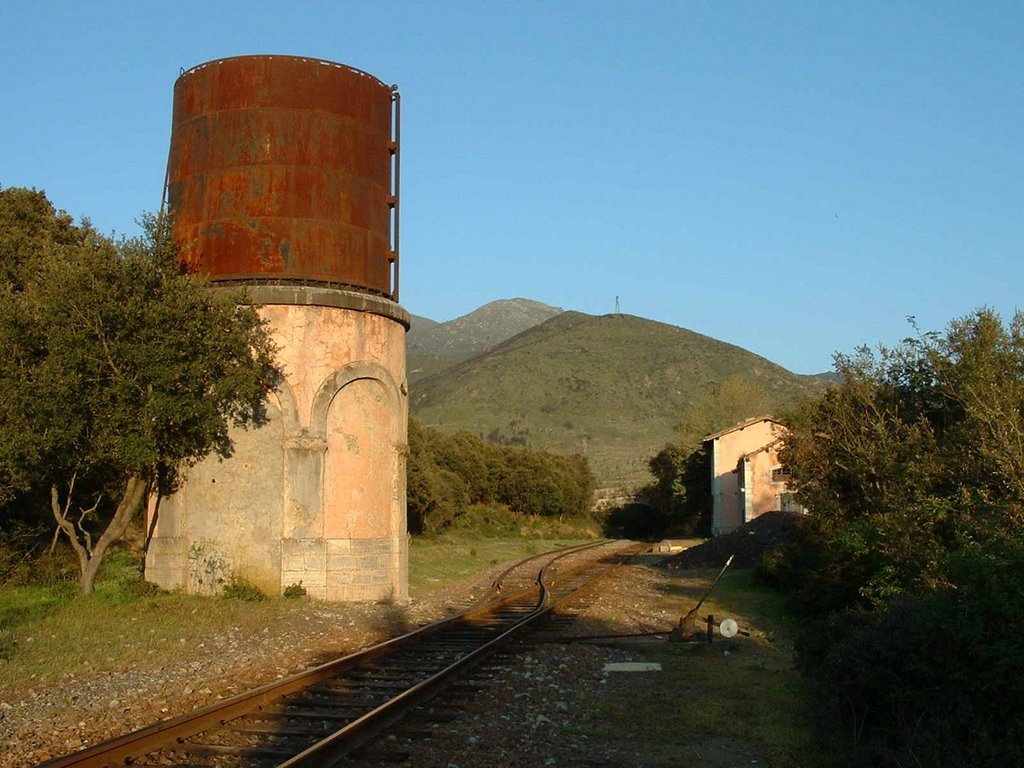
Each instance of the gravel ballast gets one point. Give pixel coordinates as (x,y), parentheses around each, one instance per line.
(540,708)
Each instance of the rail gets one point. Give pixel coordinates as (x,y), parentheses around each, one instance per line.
(353,698)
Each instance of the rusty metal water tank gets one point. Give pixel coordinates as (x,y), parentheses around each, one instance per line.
(284,169)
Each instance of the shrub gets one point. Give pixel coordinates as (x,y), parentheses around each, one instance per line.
(293,591)
(912,559)
(930,680)
(488,520)
(120,579)
(450,474)
(240,589)
(20,545)
(641,522)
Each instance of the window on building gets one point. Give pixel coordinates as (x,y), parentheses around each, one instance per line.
(781,475)
(788,504)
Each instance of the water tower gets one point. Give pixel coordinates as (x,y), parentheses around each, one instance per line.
(283,177)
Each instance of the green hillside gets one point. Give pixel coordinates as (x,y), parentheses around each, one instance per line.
(614,387)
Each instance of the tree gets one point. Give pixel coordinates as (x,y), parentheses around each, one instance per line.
(116,371)
(734,399)
(679,495)
(447,474)
(911,561)
(917,450)
(29,224)
(435,495)
(680,492)
(470,458)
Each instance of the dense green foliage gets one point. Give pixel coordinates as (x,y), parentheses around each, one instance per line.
(679,496)
(613,388)
(448,474)
(912,559)
(116,370)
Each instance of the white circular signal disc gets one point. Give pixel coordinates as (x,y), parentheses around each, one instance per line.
(728,628)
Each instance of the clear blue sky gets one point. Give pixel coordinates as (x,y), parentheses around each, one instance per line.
(795,178)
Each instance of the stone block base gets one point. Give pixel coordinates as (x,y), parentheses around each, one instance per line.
(167,562)
(347,569)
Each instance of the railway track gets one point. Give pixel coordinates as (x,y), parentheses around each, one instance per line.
(317,717)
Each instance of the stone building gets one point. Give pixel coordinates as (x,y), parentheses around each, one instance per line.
(747,478)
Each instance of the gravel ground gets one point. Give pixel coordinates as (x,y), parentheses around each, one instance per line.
(550,694)
(747,544)
(42,722)
(543,707)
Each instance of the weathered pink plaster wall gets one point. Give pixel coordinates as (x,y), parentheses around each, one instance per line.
(315,342)
(359,452)
(318,498)
(728,449)
(762,494)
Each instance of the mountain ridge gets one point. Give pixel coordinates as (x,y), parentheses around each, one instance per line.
(432,346)
(614,387)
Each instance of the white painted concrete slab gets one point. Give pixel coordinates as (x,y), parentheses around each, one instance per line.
(633,666)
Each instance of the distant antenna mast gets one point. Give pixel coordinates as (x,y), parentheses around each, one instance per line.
(616,305)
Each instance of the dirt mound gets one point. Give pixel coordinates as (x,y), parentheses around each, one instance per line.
(747,543)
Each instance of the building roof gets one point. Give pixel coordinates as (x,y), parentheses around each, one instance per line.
(741,425)
(765,447)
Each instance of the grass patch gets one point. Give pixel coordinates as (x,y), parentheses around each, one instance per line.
(436,561)
(49,631)
(498,521)
(739,697)
(22,608)
(94,635)
(763,611)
